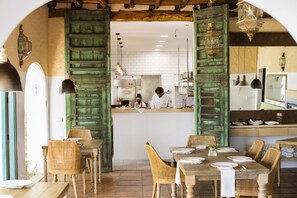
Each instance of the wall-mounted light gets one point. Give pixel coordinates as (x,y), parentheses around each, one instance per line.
(211,40)
(24,46)
(282,61)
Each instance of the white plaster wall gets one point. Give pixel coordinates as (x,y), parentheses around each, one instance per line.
(57,116)
(162,130)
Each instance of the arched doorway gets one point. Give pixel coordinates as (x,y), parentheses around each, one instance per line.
(36,125)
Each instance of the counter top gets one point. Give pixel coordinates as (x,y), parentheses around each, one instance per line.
(165,110)
(263,126)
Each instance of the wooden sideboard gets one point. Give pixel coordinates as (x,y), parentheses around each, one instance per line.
(263,130)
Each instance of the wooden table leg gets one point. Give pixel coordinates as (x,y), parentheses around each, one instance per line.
(173,186)
(190,183)
(95,171)
(44,153)
(262,181)
(100,164)
(279,167)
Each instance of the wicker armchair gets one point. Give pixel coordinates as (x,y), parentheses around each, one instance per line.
(162,172)
(256,149)
(270,160)
(65,158)
(194,140)
(85,134)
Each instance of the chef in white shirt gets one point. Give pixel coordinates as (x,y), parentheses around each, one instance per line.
(160,99)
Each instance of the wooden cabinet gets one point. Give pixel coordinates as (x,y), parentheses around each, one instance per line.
(263,130)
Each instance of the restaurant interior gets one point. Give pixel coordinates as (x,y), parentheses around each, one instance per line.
(70,71)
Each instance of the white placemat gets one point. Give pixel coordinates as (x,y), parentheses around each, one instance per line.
(186,160)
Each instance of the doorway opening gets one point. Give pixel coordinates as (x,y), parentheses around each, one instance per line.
(36,125)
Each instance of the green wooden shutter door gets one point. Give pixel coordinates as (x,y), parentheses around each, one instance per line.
(212,76)
(87,38)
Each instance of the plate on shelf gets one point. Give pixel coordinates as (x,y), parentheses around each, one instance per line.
(271,122)
(255,122)
(18,183)
(224,165)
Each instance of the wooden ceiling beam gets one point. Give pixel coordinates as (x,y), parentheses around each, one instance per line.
(262,39)
(152,16)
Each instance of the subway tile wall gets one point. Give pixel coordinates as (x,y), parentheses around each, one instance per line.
(155,63)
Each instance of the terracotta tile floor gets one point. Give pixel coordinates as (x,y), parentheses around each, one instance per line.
(130,180)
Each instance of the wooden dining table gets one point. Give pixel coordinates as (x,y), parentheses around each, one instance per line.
(93,146)
(40,190)
(204,171)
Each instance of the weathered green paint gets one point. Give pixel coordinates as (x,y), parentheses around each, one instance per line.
(87,47)
(212,76)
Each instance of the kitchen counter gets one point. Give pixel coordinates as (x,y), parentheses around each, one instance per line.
(162,128)
(164,110)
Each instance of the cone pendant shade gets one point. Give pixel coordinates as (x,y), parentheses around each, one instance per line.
(256,83)
(244,82)
(9,76)
(67,86)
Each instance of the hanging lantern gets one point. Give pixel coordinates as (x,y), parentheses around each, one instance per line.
(250,18)
(211,40)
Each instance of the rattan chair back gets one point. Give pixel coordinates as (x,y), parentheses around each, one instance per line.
(255,151)
(270,160)
(194,140)
(65,157)
(162,172)
(80,133)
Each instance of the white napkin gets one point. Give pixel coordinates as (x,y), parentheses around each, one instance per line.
(182,151)
(177,174)
(140,110)
(228,182)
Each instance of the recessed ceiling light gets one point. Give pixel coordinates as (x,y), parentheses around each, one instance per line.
(159,45)
(164,36)
(161,41)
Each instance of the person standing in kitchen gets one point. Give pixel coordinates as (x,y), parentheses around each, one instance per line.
(160,99)
(139,103)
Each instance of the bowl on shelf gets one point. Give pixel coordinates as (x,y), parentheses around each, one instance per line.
(255,122)
(271,122)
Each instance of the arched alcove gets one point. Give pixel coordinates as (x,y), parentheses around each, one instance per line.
(36,124)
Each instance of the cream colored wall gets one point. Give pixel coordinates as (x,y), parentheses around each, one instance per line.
(269,58)
(245,58)
(56,47)
(35,28)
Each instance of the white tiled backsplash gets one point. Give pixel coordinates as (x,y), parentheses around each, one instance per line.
(156,63)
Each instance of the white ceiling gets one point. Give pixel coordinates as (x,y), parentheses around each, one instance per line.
(144,36)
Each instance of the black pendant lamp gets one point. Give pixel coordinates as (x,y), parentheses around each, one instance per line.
(9,77)
(256,83)
(244,82)
(67,86)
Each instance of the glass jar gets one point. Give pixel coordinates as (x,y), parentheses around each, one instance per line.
(212,152)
